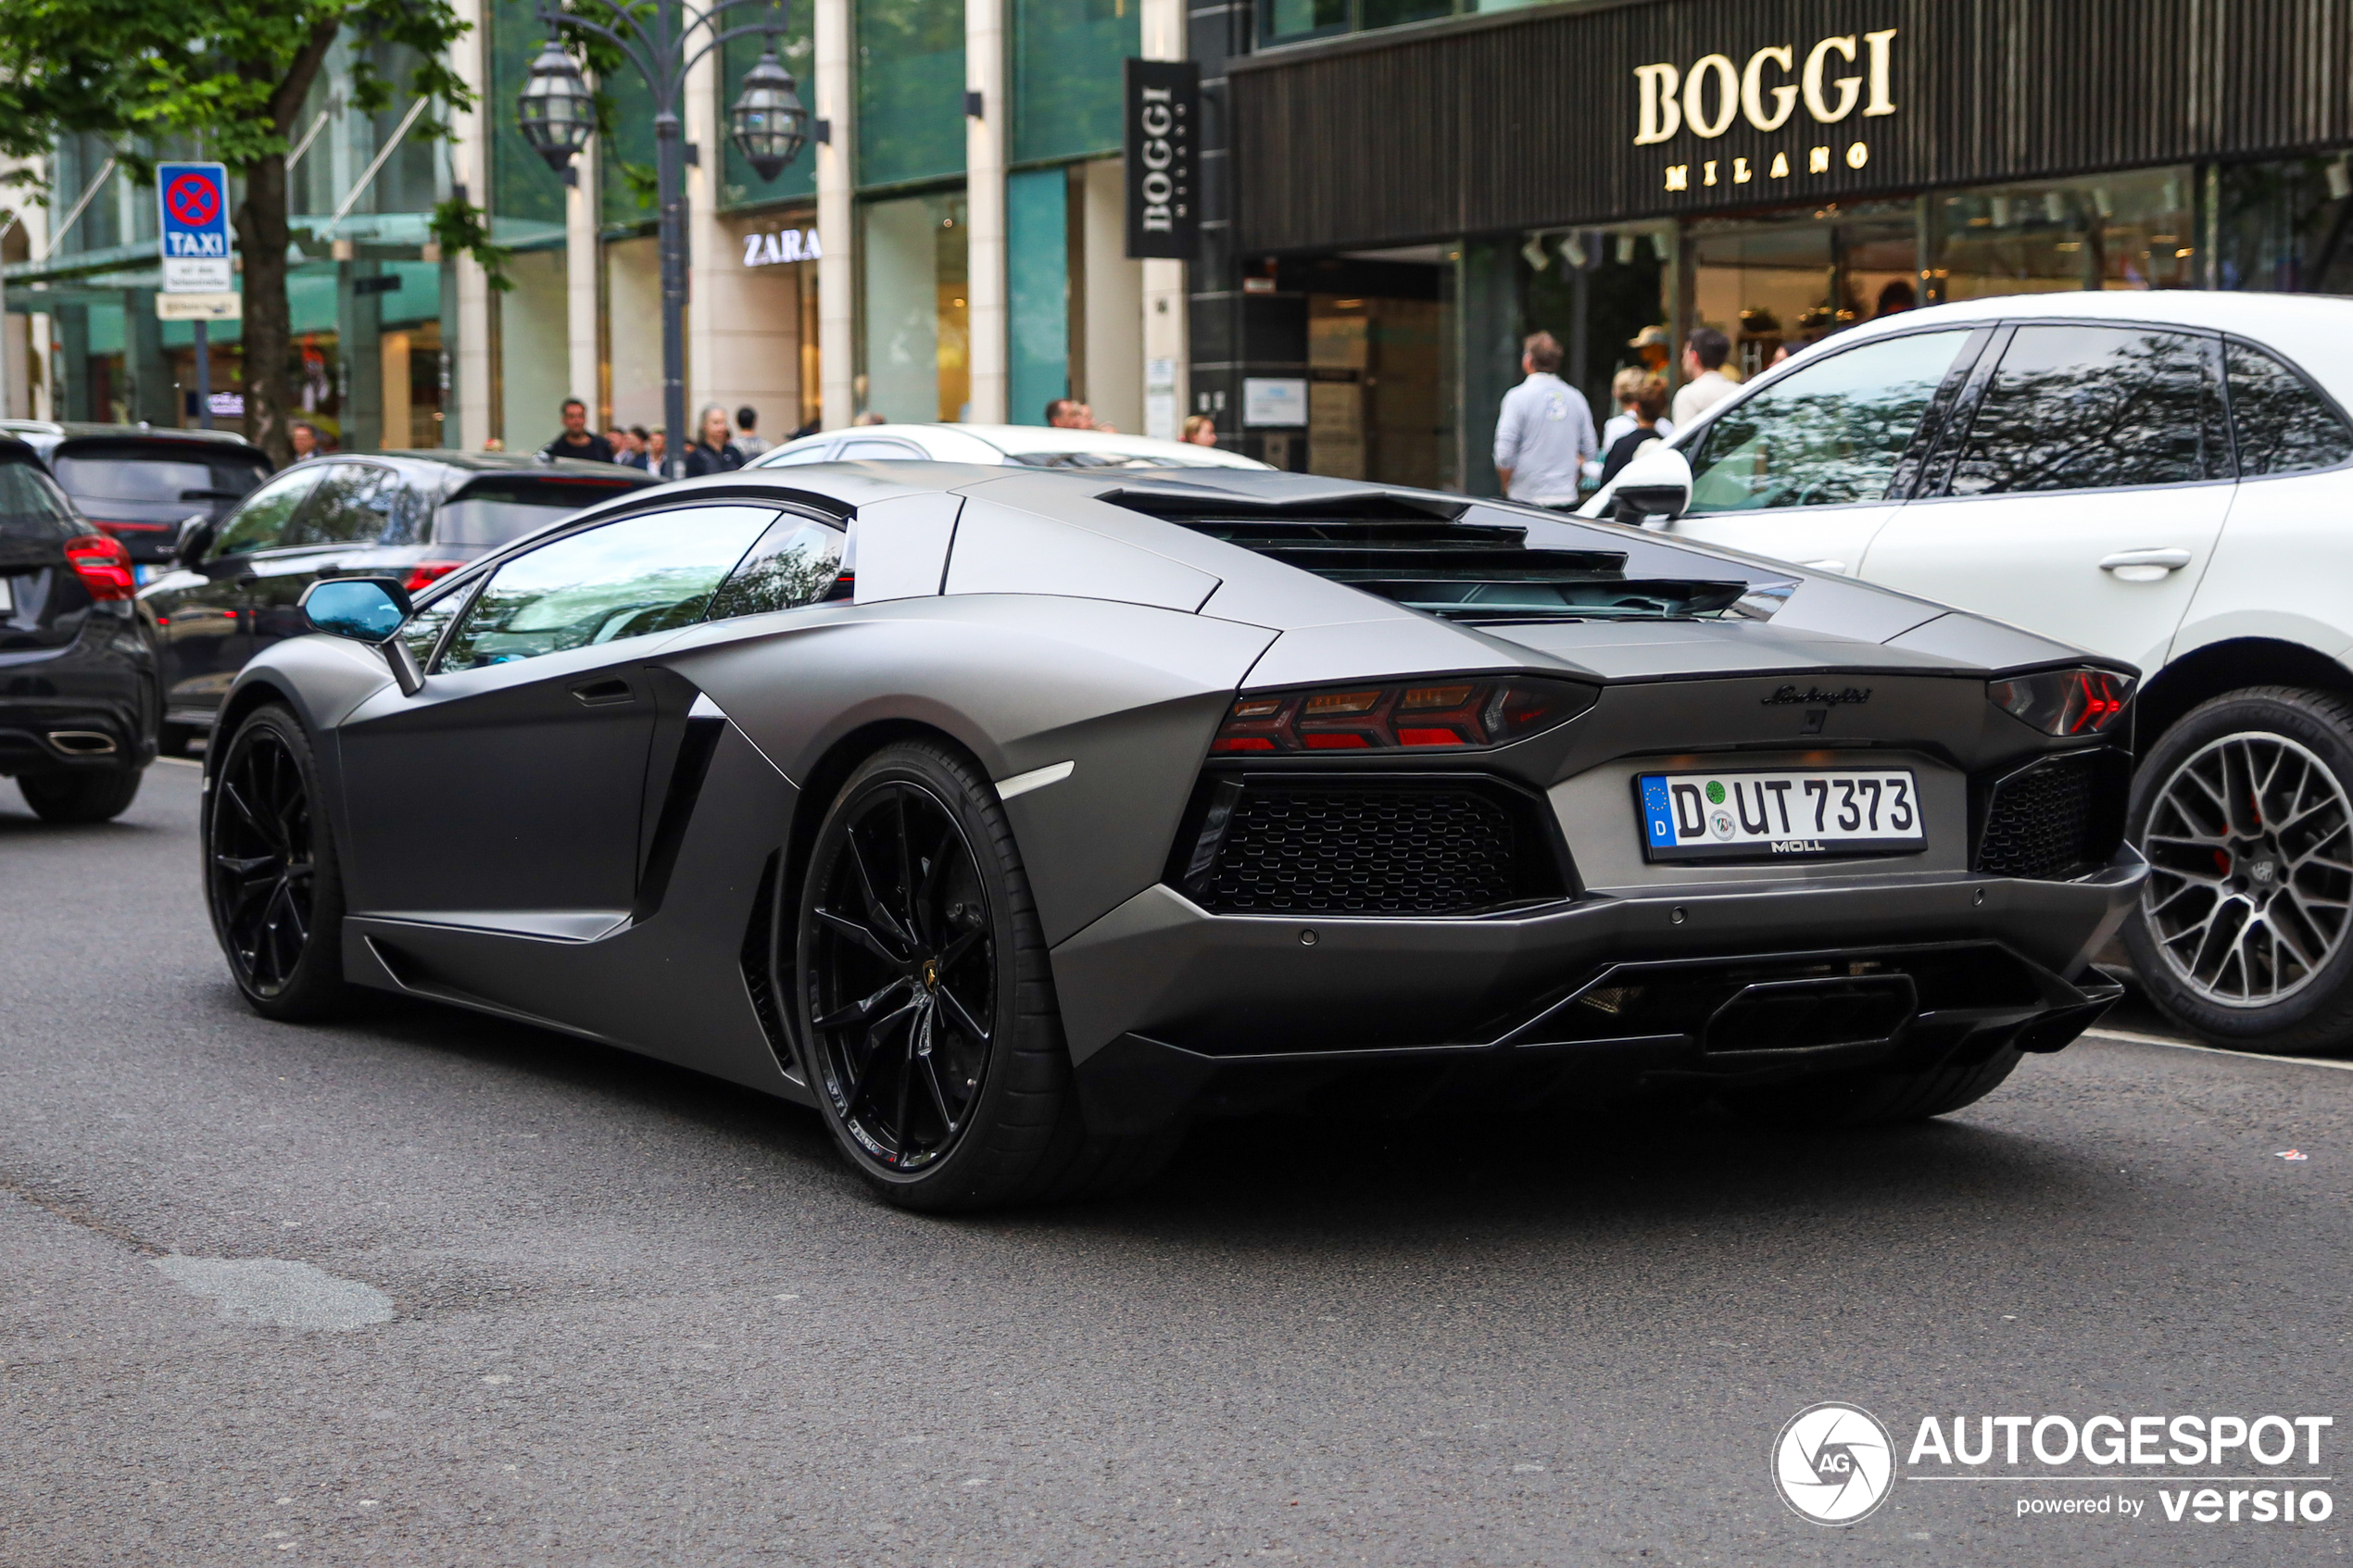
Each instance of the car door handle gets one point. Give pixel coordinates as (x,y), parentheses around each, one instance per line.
(1837,566)
(2164,560)
(603,693)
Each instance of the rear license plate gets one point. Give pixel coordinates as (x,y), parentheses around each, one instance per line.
(1802,814)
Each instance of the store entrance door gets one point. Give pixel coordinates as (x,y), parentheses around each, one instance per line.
(1778,283)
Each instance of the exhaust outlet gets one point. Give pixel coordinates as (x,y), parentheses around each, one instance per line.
(83,743)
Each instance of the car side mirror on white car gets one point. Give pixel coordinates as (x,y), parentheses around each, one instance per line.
(1653,489)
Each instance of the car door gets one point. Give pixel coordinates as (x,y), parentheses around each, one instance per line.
(203,613)
(505,793)
(355,508)
(2082,491)
(2285,555)
(1809,468)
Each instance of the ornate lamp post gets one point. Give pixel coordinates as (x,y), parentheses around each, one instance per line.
(556,112)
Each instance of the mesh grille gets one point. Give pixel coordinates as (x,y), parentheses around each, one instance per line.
(1307,850)
(2040,822)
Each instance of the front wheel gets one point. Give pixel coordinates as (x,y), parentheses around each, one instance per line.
(927,1006)
(270,873)
(2245,810)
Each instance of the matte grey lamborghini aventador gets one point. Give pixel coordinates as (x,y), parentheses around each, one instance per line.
(1013,820)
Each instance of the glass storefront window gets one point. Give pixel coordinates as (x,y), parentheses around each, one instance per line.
(1295,22)
(1785,282)
(2286,227)
(523,188)
(738,185)
(1066,70)
(913,360)
(2135,231)
(911,89)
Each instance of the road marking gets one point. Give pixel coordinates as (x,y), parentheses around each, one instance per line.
(2214,1051)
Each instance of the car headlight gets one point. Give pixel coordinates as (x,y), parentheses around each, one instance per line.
(2064,702)
(1448,713)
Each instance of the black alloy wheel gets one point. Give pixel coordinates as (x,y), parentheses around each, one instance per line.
(270,873)
(902,976)
(924,1000)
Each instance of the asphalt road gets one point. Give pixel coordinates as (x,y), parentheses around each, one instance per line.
(576,1308)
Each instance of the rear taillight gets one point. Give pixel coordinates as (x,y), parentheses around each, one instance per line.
(112,526)
(426,571)
(2064,702)
(1416,715)
(103,565)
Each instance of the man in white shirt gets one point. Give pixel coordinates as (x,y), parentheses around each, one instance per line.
(1706,383)
(1544,433)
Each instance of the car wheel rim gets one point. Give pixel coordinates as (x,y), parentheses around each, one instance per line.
(2250,850)
(262,867)
(902,978)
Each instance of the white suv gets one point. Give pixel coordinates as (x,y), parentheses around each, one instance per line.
(2166,478)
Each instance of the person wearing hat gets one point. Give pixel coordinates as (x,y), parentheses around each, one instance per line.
(1655,350)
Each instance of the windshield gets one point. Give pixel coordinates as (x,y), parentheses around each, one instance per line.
(1484,570)
(487,514)
(155,485)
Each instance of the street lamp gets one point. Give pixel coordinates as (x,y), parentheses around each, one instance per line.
(555,113)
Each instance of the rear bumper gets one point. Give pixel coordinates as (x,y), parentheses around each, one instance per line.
(1170,1009)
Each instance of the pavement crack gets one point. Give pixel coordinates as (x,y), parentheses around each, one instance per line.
(82,1217)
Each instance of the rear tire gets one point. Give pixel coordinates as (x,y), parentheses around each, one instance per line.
(1874,1099)
(84,794)
(2241,934)
(272,880)
(925,1004)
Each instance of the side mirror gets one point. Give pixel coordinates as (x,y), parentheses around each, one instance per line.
(195,533)
(1654,489)
(366,609)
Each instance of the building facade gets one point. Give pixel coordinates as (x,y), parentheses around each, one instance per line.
(1417,185)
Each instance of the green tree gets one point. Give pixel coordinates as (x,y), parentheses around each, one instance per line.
(229,75)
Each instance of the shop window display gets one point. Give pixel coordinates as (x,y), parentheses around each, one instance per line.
(914,352)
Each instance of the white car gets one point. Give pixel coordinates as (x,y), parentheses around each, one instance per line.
(2166,478)
(1031,446)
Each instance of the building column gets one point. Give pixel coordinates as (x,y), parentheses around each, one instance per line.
(985,207)
(583,258)
(707,249)
(1167,341)
(836,217)
(470,170)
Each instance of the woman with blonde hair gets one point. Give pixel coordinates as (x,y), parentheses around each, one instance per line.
(1199,430)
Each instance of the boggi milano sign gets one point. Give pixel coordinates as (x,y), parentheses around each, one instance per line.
(1846,76)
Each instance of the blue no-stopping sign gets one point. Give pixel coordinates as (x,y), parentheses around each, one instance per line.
(193,203)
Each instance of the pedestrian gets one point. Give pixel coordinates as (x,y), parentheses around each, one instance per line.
(1653,347)
(711,454)
(1067,413)
(1543,433)
(633,451)
(1088,422)
(304,437)
(1650,405)
(871,417)
(1624,388)
(577,440)
(1200,431)
(747,440)
(1705,382)
(1897,297)
(492,443)
(812,428)
(657,449)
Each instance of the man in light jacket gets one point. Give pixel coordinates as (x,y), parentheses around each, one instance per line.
(1545,432)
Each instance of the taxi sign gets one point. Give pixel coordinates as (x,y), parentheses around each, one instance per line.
(192,202)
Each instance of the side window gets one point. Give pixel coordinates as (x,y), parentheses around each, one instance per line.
(813,453)
(32,507)
(2282,424)
(259,521)
(357,504)
(874,447)
(1830,433)
(794,564)
(2091,407)
(653,572)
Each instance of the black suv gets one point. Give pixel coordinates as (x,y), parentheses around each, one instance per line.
(138,482)
(413,516)
(78,683)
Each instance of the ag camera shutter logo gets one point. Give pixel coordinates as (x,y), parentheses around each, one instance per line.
(1834,1464)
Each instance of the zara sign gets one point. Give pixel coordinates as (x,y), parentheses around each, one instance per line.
(787,245)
